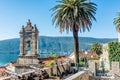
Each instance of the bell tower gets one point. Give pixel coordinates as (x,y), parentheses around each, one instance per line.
(28,45)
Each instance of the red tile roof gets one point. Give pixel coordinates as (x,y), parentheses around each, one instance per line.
(89,54)
(60,58)
(3,74)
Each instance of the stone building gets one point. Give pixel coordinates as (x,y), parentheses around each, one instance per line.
(28,45)
(104,57)
(29,55)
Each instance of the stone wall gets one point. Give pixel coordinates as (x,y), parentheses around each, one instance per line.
(82,75)
(104,57)
(65,65)
(26,60)
(115,68)
(92,67)
(22,69)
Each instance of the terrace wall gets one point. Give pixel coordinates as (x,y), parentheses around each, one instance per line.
(82,75)
(116,70)
(65,65)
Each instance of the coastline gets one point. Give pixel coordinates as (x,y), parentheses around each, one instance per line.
(3,64)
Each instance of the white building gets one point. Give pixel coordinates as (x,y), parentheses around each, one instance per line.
(105,57)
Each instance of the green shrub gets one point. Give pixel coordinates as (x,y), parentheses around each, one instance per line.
(50,64)
(82,62)
(55,55)
(49,56)
(52,55)
(114,51)
(95,58)
(72,64)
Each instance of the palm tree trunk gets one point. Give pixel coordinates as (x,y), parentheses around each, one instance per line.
(76,46)
(118,36)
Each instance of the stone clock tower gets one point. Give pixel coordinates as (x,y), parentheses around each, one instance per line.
(28,45)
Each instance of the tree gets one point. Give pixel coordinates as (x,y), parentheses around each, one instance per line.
(117,24)
(55,55)
(74,15)
(97,48)
(114,51)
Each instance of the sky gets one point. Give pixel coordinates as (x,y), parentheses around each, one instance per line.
(15,13)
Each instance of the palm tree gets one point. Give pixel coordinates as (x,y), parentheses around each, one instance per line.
(117,24)
(74,15)
(97,48)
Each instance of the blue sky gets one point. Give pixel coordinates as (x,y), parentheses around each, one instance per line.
(15,13)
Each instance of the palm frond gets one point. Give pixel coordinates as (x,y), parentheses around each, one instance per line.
(70,12)
(117,22)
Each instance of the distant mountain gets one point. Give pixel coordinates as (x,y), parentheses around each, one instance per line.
(52,44)
(9,49)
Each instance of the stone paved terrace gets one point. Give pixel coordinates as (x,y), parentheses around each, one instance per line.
(86,75)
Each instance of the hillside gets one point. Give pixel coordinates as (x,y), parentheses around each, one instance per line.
(52,44)
(9,49)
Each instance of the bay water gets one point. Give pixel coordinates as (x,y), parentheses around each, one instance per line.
(6,58)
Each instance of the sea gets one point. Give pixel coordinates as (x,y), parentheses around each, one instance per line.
(12,57)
